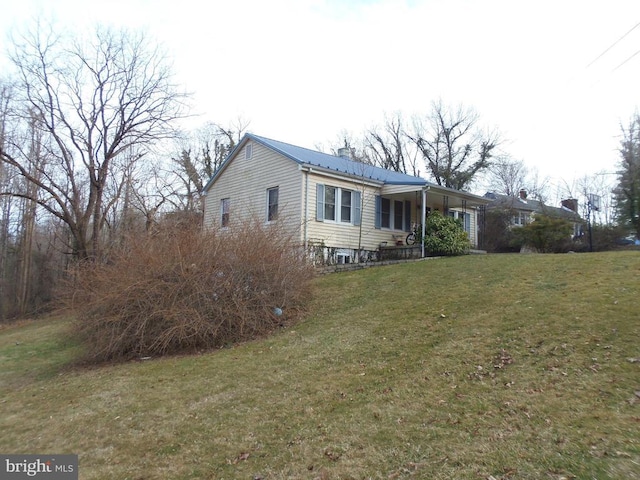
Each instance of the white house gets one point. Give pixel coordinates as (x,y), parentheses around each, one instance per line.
(348,209)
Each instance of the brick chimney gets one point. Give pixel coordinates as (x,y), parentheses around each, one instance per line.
(523,194)
(571,204)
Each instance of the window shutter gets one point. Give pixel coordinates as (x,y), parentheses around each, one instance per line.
(378,220)
(407,216)
(320,202)
(356,208)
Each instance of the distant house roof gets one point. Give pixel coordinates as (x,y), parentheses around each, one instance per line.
(342,165)
(528,205)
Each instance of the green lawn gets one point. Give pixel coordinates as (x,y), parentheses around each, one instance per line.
(505,366)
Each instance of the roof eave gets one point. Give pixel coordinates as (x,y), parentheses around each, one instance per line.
(328,172)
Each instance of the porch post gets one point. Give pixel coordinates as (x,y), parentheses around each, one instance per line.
(424,219)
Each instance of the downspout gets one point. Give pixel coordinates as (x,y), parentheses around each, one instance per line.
(305,220)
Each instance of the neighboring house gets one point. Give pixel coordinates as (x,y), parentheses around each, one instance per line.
(345,209)
(523,210)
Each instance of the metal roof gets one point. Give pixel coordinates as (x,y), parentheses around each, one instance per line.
(395,182)
(342,165)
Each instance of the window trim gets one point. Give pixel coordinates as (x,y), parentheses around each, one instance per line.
(463,218)
(270,217)
(321,204)
(335,203)
(342,206)
(391,216)
(225,211)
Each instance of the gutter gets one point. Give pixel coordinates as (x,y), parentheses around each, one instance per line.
(340,175)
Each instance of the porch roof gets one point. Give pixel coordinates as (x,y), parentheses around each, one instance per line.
(455,198)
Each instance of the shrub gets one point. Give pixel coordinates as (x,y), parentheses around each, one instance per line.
(182,290)
(445,236)
(546,234)
(606,237)
(498,232)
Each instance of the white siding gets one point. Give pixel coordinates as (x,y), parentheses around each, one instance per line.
(341,235)
(473,224)
(245,182)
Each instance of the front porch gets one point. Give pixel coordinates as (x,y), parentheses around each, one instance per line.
(403,207)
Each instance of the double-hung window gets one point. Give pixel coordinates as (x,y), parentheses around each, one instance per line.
(330,203)
(272,204)
(337,204)
(393,214)
(398,214)
(386,213)
(520,218)
(345,206)
(225,205)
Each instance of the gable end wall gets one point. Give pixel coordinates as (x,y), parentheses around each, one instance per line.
(245,182)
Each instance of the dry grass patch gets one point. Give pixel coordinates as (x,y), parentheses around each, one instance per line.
(511,367)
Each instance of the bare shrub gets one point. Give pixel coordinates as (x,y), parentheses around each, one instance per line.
(183,290)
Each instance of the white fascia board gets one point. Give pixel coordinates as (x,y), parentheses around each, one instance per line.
(356,180)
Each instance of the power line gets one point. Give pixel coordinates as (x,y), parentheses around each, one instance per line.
(625,61)
(613,45)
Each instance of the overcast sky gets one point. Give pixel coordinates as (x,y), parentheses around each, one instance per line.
(556,77)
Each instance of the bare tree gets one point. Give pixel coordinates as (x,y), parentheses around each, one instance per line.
(93,100)
(35,160)
(389,147)
(202,152)
(583,188)
(507,176)
(453,147)
(6,202)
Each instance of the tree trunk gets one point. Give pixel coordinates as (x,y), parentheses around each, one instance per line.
(23,287)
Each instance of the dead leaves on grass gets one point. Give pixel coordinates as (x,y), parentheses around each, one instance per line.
(332,454)
(501,360)
(242,457)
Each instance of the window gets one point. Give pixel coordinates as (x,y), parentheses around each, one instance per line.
(248,151)
(337,205)
(329,203)
(463,218)
(345,206)
(224,212)
(386,213)
(520,218)
(272,204)
(395,215)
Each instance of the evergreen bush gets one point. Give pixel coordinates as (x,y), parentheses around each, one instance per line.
(445,236)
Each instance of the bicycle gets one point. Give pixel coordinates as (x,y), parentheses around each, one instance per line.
(415,236)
